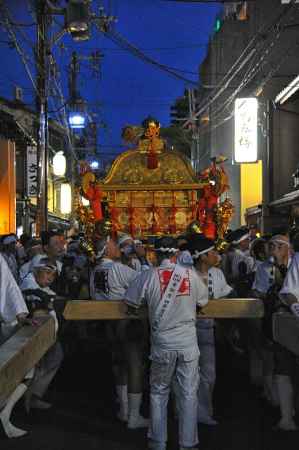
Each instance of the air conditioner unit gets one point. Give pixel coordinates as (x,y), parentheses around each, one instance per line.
(18,93)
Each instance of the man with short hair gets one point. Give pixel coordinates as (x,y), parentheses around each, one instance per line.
(171,293)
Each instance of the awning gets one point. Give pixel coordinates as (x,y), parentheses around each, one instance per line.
(292,198)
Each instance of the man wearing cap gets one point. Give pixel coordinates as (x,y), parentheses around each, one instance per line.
(171,293)
(9,253)
(12,310)
(206,258)
(40,298)
(109,281)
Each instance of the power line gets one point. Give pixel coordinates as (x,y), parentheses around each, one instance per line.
(122,42)
(17,46)
(245,56)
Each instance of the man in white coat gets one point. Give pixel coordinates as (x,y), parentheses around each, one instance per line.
(40,299)
(12,310)
(171,293)
(109,280)
(206,258)
(239,255)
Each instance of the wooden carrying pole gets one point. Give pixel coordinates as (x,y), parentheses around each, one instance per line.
(117,310)
(22,351)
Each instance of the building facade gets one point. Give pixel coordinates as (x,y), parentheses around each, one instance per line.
(18,126)
(253,53)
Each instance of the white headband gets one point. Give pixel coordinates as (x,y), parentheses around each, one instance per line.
(167,250)
(197,253)
(279,241)
(237,241)
(124,238)
(9,240)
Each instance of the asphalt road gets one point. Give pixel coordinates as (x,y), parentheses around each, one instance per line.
(83,412)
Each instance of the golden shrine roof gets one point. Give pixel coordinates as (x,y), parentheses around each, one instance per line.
(130,172)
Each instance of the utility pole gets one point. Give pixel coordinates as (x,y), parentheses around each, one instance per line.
(74,70)
(195,137)
(42,110)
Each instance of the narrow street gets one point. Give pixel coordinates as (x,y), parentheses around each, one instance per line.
(83,413)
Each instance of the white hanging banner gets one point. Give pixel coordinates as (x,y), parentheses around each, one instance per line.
(31,171)
(246,110)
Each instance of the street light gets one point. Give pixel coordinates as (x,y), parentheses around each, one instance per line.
(94,165)
(59,164)
(77,114)
(79,36)
(65,198)
(77,15)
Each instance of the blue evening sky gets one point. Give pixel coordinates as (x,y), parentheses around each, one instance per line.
(128,89)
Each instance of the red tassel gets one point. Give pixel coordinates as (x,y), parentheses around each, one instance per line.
(152,161)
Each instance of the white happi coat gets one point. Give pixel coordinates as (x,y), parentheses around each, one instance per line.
(12,264)
(116,278)
(24,270)
(174,349)
(217,288)
(30,283)
(237,257)
(291,281)
(265,276)
(179,332)
(11,298)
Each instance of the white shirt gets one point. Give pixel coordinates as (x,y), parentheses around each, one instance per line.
(12,264)
(178,332)
(11,298)
(30,283)
(109,280)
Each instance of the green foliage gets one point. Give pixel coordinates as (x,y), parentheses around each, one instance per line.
(177,138)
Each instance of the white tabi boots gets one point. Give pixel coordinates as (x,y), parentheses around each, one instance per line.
(135,419)
(286,403)
(10,430)
(122,397)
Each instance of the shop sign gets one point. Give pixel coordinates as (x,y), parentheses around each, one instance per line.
(31,171)
(246,110)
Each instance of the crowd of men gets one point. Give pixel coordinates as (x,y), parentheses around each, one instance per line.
(175,280)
